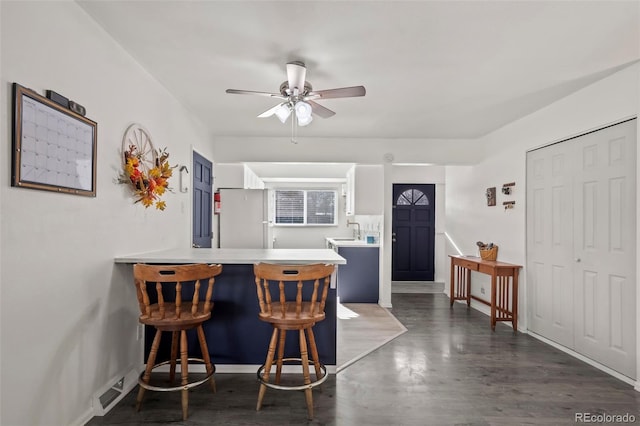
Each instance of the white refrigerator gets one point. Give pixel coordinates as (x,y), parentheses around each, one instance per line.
(244,219)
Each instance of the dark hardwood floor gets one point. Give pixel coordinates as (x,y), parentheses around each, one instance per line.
(447,369)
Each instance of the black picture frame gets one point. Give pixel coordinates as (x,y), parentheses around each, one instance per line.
(53,148)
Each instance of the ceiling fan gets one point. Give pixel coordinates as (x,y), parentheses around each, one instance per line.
(298,96)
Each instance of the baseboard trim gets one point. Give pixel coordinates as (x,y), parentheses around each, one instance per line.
(635,383)
(84,418)
(596,364)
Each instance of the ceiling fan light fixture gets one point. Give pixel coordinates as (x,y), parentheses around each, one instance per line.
(298,98)
(283,112)
(304,121)
(303,111)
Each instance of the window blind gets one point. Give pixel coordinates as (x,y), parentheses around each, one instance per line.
(305,207)
(321,207)
(290,206)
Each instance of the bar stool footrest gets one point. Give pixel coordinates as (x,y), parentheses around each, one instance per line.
(176,388)
(287,387)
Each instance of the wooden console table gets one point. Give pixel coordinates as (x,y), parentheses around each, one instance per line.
(504,297)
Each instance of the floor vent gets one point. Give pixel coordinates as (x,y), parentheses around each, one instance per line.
(111,394)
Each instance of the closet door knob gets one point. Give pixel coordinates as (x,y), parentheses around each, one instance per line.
(578,260)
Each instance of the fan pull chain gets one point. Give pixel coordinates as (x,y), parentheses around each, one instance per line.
(294,127)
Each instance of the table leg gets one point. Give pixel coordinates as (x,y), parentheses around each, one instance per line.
(467,274)
(451,284)
(514,308)
(493,301)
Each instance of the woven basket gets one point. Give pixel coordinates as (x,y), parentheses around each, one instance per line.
(489,254)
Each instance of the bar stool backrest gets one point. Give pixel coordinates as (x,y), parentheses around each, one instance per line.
(169,282)
(272,281)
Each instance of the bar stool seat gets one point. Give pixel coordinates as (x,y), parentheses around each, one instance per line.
(292,297)
(171,284)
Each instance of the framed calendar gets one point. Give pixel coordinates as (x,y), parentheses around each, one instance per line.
(54,149)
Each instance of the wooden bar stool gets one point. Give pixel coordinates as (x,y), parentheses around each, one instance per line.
(169,313)
(295,301)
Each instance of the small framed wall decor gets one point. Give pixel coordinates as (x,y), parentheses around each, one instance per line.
(491,196)
(54,148)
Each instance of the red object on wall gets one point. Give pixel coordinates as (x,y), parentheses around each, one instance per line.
(216,202)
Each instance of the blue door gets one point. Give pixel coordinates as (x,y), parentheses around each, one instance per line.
(413,232)
(202,201)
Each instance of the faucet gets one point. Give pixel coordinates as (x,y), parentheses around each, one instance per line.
(356,232)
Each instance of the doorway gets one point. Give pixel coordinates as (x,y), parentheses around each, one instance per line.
(202,201)
(413,232)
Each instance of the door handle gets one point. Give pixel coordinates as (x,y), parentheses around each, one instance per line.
(578,260)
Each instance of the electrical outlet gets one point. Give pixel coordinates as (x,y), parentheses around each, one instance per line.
(482,290)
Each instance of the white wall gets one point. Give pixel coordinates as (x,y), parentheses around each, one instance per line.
(360,151)
(68,315)
(228,175)
(469,219)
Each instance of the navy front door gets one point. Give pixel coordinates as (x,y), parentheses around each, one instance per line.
(202,201)
(413,232)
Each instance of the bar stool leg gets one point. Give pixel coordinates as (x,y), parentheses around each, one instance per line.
(184,366)
(305,371)
(150,363)
(174,356)
(283,336)
(267,367)
(205,356)
(314,353)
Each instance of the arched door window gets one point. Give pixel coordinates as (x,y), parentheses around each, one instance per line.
(412,197)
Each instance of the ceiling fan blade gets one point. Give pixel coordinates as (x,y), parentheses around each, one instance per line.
(343,92)
(320,110)
(270,111)
(296,74)
(251,92)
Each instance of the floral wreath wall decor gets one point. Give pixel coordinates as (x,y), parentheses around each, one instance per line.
(145,169)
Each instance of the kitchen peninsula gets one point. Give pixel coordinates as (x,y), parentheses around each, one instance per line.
(234,333)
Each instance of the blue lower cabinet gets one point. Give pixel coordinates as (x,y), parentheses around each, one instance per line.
(234,333)
(358,279)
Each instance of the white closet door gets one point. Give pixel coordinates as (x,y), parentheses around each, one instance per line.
(604,233)
(550,242)
(581,245)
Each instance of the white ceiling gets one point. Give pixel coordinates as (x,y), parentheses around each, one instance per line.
(432,69)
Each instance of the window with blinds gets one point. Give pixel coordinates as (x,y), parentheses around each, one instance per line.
(306,207)
(289,207)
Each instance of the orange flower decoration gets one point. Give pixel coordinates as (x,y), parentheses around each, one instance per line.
(147,183)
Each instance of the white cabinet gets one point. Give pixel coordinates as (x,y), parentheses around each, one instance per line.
(369,190)
(350,190)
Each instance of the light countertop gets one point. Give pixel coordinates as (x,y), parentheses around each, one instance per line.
(340,242)
(234,256)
